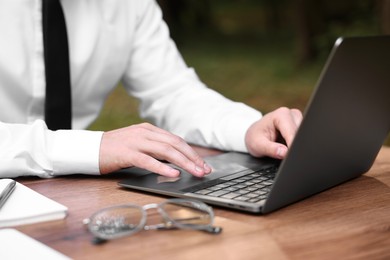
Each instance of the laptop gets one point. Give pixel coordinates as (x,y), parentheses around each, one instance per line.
(345,124)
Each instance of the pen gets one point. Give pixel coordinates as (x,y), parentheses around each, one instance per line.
(7,192)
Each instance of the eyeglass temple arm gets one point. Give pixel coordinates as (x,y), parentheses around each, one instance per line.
(169,225)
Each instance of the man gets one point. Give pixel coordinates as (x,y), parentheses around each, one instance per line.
(112,41)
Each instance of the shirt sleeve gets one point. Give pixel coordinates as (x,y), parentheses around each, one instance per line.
(171,94)
(35,150)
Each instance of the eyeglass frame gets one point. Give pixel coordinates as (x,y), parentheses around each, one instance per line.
(169,223)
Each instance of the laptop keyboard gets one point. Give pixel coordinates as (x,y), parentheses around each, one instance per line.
(252,187)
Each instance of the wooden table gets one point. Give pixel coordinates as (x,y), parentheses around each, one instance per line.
(349,221)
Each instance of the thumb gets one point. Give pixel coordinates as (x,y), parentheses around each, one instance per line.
(270,149)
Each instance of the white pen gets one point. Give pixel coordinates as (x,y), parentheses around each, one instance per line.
(7,192)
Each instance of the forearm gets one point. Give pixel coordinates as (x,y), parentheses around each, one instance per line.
(173,97)
(203,117)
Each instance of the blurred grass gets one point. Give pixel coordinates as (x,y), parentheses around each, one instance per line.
(259,72)
(120,110)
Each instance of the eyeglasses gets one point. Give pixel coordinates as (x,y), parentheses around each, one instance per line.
(124,220)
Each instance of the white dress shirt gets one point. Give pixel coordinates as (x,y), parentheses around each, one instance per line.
(109,41)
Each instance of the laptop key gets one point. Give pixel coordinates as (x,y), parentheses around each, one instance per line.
(203,192)
(256,174)
(242,198)
(218,193)
(254,200)
(251,195)
(214,188)
(267,183)
(251,188)
(231,188)
(230,195)
(242,191)
(246,178)
(230,183)
(272,170)
(260,192)
(239,186)
(258,186)
(222,185)
(239,180)
(262,197)
(237,175)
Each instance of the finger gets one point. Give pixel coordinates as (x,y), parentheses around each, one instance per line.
(287,124)
(271,149)
(151,164)
(171,154)
(297,115)
(164,136)
(174,149)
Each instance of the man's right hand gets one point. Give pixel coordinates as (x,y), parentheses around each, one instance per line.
(143,145)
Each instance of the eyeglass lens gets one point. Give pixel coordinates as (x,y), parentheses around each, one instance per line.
(115,221)
(187,214)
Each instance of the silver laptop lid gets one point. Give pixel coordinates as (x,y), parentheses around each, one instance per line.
(345,123)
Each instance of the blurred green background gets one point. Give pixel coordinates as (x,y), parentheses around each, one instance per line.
(266,53)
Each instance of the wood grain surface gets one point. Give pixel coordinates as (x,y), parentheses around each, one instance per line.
(350,221)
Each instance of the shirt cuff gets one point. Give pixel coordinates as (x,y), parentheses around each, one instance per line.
(236,128)
(75,151)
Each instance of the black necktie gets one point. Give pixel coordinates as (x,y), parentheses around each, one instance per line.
(58,109)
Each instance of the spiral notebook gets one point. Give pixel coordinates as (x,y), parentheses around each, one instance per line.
(26,206)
